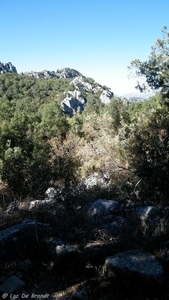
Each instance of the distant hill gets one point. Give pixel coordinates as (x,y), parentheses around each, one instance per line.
(139,96)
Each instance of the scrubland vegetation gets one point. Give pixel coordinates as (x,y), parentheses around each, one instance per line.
(123,148)
(41,145)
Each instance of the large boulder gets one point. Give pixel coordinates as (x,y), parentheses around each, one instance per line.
(147,212)
(21,240)
(137,261)
(40,203)
(103,208)
(106,96)
(50,193)
(149,218)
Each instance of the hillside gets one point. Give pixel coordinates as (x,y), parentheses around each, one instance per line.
(83,186)
(40,110)
(80,86)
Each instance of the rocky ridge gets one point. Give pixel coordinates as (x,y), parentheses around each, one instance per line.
(74,100)
(60,73)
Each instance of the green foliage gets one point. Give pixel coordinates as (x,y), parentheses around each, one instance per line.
(149,155)
(155,70)
(94,103)
(30,114)
(76,124)
(40,144)
(118,110)
(148,135)
(53,120)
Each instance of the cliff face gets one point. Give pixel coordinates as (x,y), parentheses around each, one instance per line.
(7,67)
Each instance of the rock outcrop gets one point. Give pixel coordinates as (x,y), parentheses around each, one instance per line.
(7,67)
(137,261)
(107,248)
(17,240)
(73,102)
(60,73)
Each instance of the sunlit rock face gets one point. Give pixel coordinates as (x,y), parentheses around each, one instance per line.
(7,67)
(73,102)
(136,261)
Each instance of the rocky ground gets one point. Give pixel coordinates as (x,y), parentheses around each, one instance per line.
(61,248)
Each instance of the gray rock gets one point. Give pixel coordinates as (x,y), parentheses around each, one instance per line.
(39,203)
(73,102)
(7,67)
(11,285)
(135,261)
(147,212)
(149,217)
(17,240)
(50,193)
(11,207)
(81,82)
(62,73)
(103,207)
(95,179)
(58,248)
(106,96)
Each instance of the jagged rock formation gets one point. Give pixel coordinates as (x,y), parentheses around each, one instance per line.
(7,67)
(60,73)
(106,96)
(75,101)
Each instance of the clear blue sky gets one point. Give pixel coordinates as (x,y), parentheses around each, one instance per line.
(99,38)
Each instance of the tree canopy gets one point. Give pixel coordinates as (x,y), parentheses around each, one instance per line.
(154,72)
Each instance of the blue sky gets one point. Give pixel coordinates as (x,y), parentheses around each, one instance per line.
(99,38)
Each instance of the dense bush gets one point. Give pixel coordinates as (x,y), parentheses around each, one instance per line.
(126,144)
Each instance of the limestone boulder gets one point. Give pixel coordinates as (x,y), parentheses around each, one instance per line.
(106,96)
(21,240)
(137,262)
(103,208)
(73,102)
